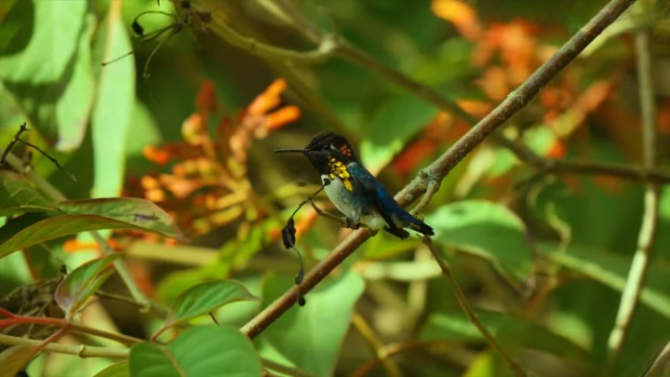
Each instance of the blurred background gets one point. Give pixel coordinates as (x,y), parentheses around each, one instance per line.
(189,121)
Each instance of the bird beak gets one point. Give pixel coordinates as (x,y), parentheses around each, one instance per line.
(291,150)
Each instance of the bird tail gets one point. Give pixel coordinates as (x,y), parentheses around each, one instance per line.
(420,226)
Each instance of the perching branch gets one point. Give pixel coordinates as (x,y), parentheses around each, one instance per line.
(445,163)
(642,257)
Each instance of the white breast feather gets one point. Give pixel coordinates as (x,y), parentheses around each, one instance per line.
(343,198)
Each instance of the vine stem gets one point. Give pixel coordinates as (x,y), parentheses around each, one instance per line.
(637,274)
(74,327)
(463,303)
(376,346)
(445,163)
(78,350)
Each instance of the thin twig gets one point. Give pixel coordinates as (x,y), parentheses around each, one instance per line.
(22,128)
(640,264)
(45,154)
(443,165)
(78,350)
(396,349)
(328,45)
(463,303)
(376,346)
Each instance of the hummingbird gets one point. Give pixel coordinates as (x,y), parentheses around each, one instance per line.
(354,190)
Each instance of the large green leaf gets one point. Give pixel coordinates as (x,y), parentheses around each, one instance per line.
(204,298)
(83,216)
(138,213)
(611,270)
(57,27)
(486,229)
(120,369)
(57,96)
(13,359)
(82,282)
(311,336)
(112,113)
(392,125)
(17,195)
(505,328)
(198,351)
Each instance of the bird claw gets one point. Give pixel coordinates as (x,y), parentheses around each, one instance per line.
(349,223)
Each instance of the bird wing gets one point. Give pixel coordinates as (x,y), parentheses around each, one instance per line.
(375,193)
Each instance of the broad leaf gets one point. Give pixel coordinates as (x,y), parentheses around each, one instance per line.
(137,213)
(488,230)
(14,359)
(111,116)
(505,328)
(611,270)
(57,96)
(198,351)
(204,298)
(311,336)
(120,369)
(393,124)
(59,226)
(82,282)
(17,195)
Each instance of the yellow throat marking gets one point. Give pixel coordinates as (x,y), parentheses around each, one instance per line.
(339,170)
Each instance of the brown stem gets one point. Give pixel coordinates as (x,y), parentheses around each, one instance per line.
(463,303)
(78,350)
(443,165)
(59,322)
(22,128)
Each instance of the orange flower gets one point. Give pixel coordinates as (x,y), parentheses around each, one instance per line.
(156,155)
(460,14)
(267,100)
(282,117)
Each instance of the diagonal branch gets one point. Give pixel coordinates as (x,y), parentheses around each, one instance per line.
(445,163)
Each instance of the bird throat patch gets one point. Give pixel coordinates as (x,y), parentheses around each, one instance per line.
(339,170)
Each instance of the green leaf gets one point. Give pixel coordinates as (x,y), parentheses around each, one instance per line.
(198,351)
(82,282)
(204,298)
(57,26)
(120,369)
(311,336)
(488,230)
(112,113)
(87,215)
(611,270)
(392,125)
(14,359)
(137,213)
(507,329)
(56,97)
(17,195)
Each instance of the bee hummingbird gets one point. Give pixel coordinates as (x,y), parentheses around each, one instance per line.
(354,190)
